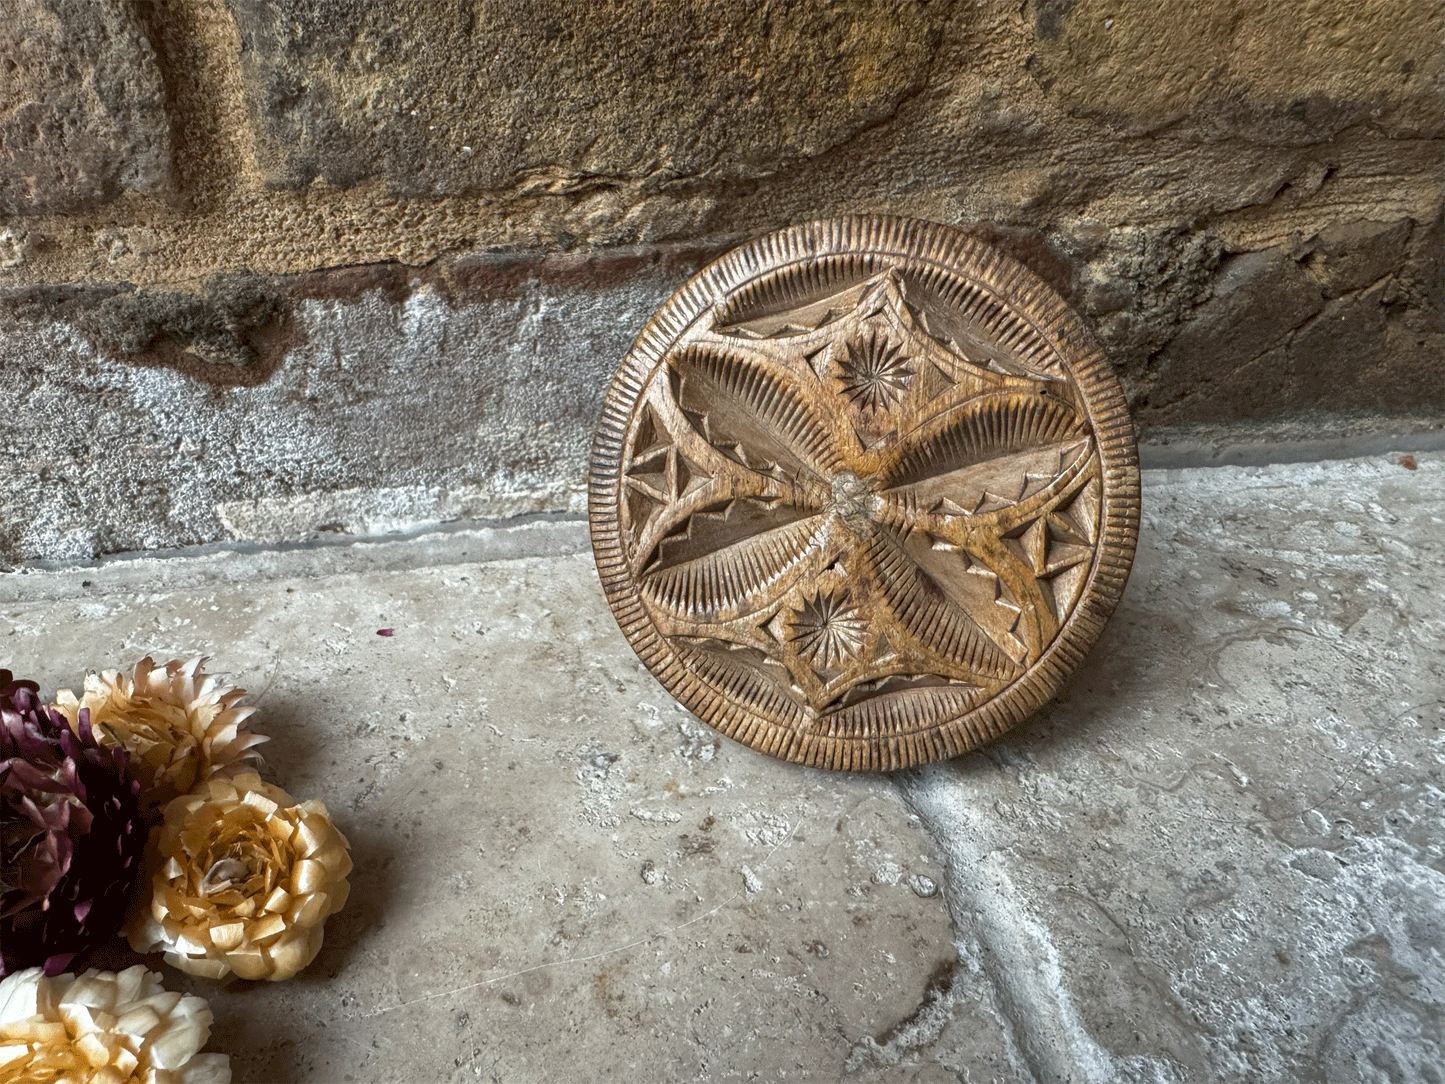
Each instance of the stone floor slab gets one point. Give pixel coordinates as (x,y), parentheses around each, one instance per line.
(1219,855)
(559,871)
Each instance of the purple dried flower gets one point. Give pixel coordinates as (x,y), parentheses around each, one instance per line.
(71,834)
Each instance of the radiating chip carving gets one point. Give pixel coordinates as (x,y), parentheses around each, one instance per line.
(863,493)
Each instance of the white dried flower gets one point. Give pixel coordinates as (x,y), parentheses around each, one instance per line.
(245,879)
(104,1027)
(179,725)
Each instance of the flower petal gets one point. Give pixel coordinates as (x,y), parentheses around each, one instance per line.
(104,1027)
(307,875)
(179,725)
(279,901)
(19,995)
(250,963)
(228,935)
(74,835)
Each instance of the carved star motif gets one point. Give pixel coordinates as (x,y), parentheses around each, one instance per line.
(827,631)
(875,372)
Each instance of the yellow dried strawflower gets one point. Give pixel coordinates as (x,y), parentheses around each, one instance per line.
(245,879)
(178,724)
(104,1027)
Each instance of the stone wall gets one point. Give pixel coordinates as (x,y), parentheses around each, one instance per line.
(270,268)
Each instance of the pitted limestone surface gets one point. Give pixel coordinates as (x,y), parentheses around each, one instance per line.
(1218,857)
(389,416)
(557,867)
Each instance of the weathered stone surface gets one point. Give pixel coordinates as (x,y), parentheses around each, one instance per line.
(382,398)
(404,398)
(650,124)
(1335,324)
(1281,74)
(567,98)
(84,107)
(1318,227)
(556,867)
(1219,856)
(1245,202)
(357,402)
(236,332)
(1352,255)
(1232,354)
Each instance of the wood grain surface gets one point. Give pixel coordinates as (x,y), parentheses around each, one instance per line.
(863,493)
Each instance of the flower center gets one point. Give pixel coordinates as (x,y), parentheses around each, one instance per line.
(223,874)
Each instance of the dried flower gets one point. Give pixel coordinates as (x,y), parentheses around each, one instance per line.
(71,834)
(104,1026)
(246,877)
(179,725)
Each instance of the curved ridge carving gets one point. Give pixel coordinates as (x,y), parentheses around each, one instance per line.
(931,617)
(906,708)
(735,578)
(752,413)
(985,427)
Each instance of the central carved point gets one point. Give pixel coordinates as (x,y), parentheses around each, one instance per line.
(853,499)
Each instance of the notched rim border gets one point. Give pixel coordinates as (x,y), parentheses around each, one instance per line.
(908,241)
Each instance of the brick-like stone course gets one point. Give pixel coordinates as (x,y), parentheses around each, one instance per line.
(1244,201)
(440,99)
(1314,328)
(82,108)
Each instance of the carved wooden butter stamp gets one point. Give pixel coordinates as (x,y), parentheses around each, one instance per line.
(863,493)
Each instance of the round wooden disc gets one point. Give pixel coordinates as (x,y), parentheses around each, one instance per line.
(863,493)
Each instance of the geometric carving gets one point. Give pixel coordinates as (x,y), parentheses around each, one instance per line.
(828,631)
(863,493)
(875,372)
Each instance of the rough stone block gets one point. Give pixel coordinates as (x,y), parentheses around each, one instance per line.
(1282,74)
(1259,299)
(1333,325)
(368,399)
(1351,255)
(352,401)
(563,97)
(84,107)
